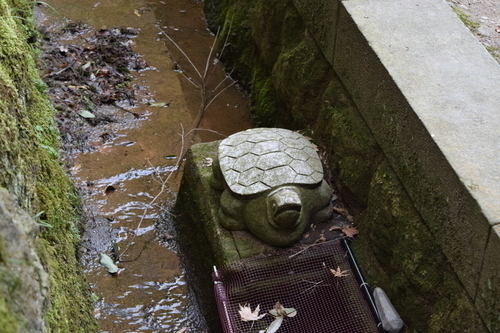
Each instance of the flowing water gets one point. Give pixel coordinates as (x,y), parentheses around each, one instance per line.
(126,176)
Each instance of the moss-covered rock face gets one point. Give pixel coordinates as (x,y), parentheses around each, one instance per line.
(422,281)
(31,172)
(23,279)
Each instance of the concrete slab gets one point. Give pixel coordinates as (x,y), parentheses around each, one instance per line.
(450,81)
(426,89)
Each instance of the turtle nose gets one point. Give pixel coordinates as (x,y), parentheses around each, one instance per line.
(285,207)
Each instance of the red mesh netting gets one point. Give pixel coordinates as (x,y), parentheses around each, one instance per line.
(325,303)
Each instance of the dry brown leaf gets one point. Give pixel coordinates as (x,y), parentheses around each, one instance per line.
(341,211)
(350,231)
(247,314)
(338,272)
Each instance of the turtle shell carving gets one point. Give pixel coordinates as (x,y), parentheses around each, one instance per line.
(257,160)
(272,184)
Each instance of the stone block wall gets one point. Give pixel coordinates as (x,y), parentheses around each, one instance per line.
(403,99)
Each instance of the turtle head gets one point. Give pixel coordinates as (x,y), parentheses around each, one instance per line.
(284,207)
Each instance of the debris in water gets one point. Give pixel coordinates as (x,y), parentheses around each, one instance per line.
(107,262)
(86,114)
(109,189)
(159,104)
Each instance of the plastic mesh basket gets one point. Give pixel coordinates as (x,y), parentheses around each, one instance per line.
(325,303)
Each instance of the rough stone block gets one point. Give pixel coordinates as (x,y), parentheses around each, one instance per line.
(418,100)
(203,242)
(321,20)
(24,285)
(197,206)
(397,253)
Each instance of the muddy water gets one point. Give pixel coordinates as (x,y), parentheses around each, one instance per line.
(126,180)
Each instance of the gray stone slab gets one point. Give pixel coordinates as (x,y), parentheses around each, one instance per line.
(426,89)
(449,80)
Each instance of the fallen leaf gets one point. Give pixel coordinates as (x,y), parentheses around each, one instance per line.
(350,231)
(341,211)
(247,314)
(159,104)
(182,330)
(498,29)
(170,157)
(76,168)
(136,12)
(335,227)
(107,262)
(86,114)
(338,272)
(208,161)
(280,311)
(274,326)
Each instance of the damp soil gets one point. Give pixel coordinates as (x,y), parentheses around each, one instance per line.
(130,103)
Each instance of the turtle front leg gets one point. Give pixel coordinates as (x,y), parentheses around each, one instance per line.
(229,213)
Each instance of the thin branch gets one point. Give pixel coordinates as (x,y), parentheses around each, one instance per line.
(220,92)
(150,204)
(182,51)
(210,54)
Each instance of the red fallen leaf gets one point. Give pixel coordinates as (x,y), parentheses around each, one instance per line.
(341,211)
(348,231)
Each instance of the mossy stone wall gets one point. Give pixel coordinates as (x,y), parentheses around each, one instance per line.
(31,172)
(283,52)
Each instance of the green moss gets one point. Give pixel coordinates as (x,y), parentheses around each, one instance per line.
(31,171)
(300,76)
(398,254)
(8,321)
(242,54)
(352,152)
(263,100)
(471,24)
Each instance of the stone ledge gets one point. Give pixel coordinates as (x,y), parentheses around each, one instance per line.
(428,91)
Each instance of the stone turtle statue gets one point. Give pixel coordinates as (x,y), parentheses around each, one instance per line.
(272,184)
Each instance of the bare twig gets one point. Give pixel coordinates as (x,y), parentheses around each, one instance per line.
(206,101)
(317,242)
(182,51)
(162,189)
